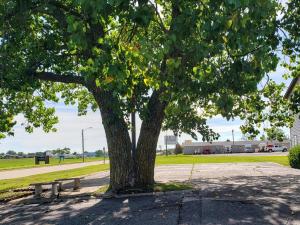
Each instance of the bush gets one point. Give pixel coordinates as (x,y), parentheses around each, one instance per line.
(294,157)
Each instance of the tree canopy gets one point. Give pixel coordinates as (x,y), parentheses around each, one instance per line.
(276,134)
(176,63)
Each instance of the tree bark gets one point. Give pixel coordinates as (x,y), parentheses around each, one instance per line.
(147,142)
(118,140)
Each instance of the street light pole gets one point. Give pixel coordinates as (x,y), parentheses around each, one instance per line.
(166,140)
(104,154)
(233,137)
(82,141)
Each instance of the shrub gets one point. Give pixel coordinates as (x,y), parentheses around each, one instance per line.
(294,157)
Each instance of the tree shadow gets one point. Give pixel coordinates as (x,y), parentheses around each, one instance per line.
(248,187)
(235,200)
(158,210)
(90,182)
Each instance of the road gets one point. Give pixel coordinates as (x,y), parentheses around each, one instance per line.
(10,174)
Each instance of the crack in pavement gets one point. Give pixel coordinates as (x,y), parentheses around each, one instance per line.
(180,205)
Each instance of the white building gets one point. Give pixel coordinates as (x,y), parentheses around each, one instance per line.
(220,147)
(295,129)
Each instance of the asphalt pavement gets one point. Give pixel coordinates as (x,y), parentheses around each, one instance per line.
(225,193)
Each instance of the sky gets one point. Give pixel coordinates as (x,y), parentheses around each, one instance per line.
(70,125)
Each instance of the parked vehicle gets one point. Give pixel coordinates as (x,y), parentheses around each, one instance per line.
(206,151)
(276,148)
(228,149)
(197,152)
(249,149)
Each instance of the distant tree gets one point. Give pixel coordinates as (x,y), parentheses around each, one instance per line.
(275,133)
(178,149)
(64,150)
(11,152)
(21,154)
(263,137)
(99,153)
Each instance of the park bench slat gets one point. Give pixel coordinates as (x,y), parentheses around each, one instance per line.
(66,179)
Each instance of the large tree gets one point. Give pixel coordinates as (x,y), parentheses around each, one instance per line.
(174,62)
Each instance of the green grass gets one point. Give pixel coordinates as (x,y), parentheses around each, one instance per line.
(190,159)
(101,190)
(10,184)
(10,195)
(9,164)
(171,186)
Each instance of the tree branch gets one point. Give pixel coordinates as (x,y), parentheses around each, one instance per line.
(160,22)
(53,77)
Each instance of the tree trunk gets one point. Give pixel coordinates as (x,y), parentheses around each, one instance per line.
(118,140)
(147,143)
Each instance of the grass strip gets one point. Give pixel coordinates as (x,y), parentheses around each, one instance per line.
(171,186)
(158,187)
(10,184)
(190,159)
(12,164)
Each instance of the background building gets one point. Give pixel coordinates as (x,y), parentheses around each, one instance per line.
(295,129)
(220,147)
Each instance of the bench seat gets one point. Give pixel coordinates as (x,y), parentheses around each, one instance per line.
(76,184)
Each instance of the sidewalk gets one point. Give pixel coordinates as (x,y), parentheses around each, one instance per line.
(10,174)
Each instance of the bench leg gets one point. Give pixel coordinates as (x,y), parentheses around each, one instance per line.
(76,183)
(38,191)
(54,190)
(60,187)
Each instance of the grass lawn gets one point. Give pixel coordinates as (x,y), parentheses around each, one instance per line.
(24,182)
(9,164)
(190,159)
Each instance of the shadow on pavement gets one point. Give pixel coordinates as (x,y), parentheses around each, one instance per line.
(258,200)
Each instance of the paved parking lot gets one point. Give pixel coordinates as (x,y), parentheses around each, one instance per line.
(229,193)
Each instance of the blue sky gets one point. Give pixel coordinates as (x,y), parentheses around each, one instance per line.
(70,125)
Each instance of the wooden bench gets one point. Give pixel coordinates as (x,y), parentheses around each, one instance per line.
(76,184)
(38,188)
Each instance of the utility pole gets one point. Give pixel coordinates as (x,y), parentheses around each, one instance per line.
(82,141)
(166,140)
(232,136)
(104,154)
